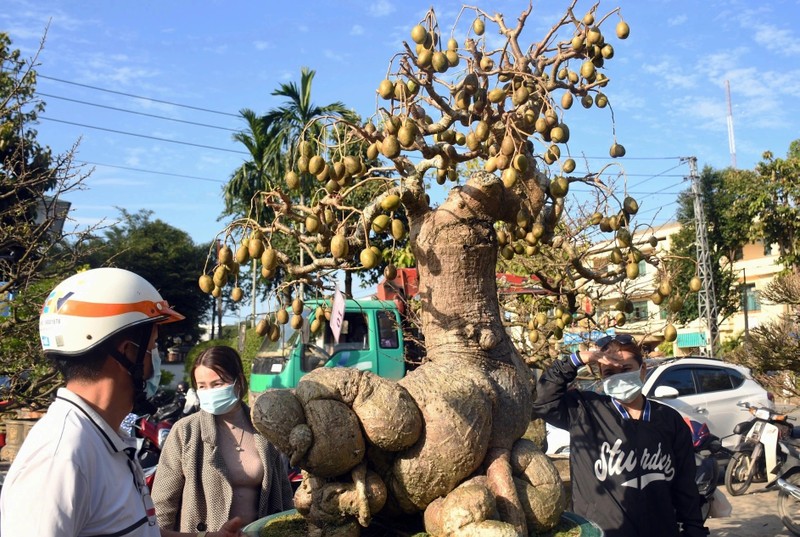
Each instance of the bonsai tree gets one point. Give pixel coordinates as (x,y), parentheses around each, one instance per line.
(446,439)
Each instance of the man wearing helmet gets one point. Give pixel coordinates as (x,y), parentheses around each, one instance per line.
(76,473)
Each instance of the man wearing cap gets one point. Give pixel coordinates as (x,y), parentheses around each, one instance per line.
(631,460)
(76,474)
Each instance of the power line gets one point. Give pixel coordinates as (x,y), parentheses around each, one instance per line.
(135,112)
(153,172)
(144,136)
(39,75)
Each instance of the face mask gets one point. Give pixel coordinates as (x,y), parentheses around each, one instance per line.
(624,387)
(218,400)
(151,384)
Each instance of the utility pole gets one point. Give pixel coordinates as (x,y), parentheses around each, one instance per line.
(707,297)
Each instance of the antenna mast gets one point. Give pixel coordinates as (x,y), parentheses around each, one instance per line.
(731,140)
(707,297)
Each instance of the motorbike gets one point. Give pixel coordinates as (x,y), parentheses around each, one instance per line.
(151,430)
(706,447)
(789,483)
(757,456)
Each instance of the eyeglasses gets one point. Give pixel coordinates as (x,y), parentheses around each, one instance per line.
(624,339)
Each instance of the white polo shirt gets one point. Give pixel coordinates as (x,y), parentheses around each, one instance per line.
(75,476)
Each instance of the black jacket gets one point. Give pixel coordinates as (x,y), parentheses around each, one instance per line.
(631,477)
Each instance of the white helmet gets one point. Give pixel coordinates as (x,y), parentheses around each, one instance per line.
(86,309)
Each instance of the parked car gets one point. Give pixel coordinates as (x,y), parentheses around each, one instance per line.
(706,387)
(706,390)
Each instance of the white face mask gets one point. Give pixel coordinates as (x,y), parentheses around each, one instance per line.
(151,384)
(624,387)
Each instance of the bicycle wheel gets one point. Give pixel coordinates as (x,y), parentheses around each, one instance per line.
(737,474)
(789,507)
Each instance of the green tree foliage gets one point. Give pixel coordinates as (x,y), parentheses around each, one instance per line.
(775,346)
(272,141)
(163,255)
(727,231)
(35,254)
(772,203)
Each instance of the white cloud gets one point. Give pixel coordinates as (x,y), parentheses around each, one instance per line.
(357,29)
(331,55)
(262,45)
(672,75)
(777,40)
(381,8)
(302,28)
(677,20)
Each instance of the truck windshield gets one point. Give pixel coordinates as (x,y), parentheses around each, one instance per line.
(282,346)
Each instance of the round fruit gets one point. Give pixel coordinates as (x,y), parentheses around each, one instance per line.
(282,316)
(676,304)
(369,259)
(588,70)
(242,254)
(623,30)
(255,248)
(630,205)
(569,166)
(497,95)
(297,306)
(617,150)
(559,187)
(380,223)
(297,322)
(670,333)
(390,272)
(418,34)
(339,246)
(665,288)
(312,223)
(206,283)
(656,298)
(269,259)
(510,176)
(262,327)
(292,180)
(632,270)
(225,255)
(478,27)
(695,284)
(386,89)
(398,229)
(237,294)
(390,202)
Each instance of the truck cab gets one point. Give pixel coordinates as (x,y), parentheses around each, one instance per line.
(371,339)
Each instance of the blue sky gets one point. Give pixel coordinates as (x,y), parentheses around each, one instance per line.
(667,86)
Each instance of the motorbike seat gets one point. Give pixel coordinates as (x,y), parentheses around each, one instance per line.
(795,432)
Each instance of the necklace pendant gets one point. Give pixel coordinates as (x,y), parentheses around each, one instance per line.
(239,449)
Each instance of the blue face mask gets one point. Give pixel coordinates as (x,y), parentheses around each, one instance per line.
(624,387)
(151,384)
(218,400)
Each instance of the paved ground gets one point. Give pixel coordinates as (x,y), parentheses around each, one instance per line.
(755,514)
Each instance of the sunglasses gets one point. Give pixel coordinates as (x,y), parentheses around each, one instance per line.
(623,339)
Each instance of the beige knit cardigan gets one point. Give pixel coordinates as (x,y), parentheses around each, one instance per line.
(191,490)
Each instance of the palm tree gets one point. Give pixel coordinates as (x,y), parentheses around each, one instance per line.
(254,174)
(290,119)
(271,140)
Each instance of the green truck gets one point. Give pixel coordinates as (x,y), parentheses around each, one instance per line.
(371,339)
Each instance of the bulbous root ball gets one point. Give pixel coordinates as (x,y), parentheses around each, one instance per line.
(327,504)
(320,425)
(469,508)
